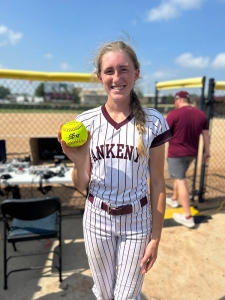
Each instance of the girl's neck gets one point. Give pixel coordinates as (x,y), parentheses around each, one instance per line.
(118,112)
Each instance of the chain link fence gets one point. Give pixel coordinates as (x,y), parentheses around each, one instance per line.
(206,182)
(32,106)
(164,97)
(213,177)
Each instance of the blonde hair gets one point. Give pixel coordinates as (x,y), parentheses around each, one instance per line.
(136,108)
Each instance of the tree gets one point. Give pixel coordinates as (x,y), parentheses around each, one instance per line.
(76,97)
(170,99)
(4,92)
(39,92)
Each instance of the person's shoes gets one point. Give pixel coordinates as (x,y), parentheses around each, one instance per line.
(181,219)
(171,202)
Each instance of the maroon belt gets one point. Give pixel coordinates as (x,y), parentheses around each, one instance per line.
(118,211)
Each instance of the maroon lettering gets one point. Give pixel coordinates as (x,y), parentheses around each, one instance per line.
(119,149)
(100,153)
(109,150)
(129,151)
(136,159)
(106,151)
(93,156)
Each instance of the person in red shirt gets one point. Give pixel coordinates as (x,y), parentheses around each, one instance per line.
(186,123)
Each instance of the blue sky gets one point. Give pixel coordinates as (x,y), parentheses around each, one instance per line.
(173,39)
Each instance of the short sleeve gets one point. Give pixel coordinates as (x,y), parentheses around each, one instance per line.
(161,130)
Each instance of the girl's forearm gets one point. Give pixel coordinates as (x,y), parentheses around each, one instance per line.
(80,178)
(158,203)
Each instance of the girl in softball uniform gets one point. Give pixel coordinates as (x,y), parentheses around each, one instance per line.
(122,222)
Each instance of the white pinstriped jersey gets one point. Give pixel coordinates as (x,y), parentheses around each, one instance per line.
(118,175)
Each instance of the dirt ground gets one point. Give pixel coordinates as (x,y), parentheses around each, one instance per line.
(190,266)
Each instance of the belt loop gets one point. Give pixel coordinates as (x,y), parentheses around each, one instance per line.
(108,209)
(136,206)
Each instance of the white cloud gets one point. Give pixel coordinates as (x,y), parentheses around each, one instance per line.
(8,36)
(65,67)
(164,12)
(219,61)
(3,29)
(48,55)
(171,9)
(187,60)
(14,36)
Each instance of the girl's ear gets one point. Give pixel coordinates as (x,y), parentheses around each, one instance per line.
(137,74)
(99,77)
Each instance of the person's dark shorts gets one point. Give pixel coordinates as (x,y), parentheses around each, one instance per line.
(178,166)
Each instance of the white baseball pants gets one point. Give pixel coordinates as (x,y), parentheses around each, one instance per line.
(115,246)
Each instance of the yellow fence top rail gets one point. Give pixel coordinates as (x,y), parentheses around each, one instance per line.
(47,76)
(182,83)
(219,85)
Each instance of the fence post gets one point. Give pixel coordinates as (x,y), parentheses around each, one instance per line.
(209,115)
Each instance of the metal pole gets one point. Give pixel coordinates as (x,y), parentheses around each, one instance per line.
(209,115)
(194,192)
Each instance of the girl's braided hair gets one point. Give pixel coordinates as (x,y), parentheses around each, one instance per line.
(136,108)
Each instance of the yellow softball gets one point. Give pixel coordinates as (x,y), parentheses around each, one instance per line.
(74,133)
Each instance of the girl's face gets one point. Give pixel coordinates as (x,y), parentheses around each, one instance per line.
(118,75)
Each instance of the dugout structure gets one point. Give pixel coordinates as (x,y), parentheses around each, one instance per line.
(196,89)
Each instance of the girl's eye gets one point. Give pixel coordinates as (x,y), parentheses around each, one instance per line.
(108,72)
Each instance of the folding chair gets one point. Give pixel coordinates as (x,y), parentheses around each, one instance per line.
(29,220)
